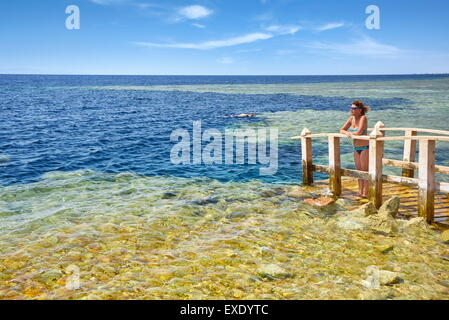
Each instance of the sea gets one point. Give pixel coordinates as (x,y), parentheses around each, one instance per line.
(87,180)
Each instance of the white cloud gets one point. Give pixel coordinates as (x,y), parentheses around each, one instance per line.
(287,29)
(200,26)
(330,26)
(362,47)
(226,60)
(194,12)
(143,6)
(252,37)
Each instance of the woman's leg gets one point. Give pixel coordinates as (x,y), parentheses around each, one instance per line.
(358,167)
(364,164)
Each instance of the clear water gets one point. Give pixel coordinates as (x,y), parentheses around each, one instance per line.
(86,179)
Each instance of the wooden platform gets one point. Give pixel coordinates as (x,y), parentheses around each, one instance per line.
(409,199)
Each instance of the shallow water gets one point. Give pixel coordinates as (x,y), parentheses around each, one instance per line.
(87,182)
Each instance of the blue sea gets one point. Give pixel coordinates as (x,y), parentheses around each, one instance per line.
(90,196)
(119,124)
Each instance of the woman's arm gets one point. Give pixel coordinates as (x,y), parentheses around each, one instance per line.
(343,130)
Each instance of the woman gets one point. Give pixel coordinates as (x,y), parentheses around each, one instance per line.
(357,125)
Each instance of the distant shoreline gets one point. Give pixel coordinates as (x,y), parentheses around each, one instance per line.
(225,75)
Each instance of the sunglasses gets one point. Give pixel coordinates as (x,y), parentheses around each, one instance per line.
(354,108)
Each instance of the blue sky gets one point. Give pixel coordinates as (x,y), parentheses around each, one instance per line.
(229,37)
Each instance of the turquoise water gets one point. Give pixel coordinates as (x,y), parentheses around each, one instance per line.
(86,180)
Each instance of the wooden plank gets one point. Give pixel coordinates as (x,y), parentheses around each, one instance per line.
(411,165)
(426,194)
(355,174)
(400,164)
(434,131)
(409,153)
(399,138)
(334,165)
(306,154)
(393,138)
(376,152)
(343,172)
(398,180)
(326,135)
(404,181)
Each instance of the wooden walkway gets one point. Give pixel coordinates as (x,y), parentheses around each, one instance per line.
(409,199)
(421,195)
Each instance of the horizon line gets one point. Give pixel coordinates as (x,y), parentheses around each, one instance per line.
(223,75)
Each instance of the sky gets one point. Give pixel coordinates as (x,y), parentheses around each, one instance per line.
(224,37)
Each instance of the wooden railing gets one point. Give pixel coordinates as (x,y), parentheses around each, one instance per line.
(426,167)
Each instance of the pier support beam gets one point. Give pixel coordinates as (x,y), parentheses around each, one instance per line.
(409,153)
(376,152)
(426,196)
(306,154)
(334,165)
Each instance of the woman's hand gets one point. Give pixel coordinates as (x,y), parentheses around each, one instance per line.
(346,133)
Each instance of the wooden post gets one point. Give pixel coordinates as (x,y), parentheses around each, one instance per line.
(409,153)
(426,196)
(334,165)
(376,152)
(306,148)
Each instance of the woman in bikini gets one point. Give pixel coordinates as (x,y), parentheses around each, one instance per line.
(357,125)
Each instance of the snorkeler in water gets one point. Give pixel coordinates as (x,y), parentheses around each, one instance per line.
(242,115)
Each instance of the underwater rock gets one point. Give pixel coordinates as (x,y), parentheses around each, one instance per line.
(73,256)
(358,218)
(385,224)
(236,215)
(377,277)
(49,277)
(51,240)
(271,193)
(418,224)
(366,210)
(108,227)
(388,278)
(320,202)
(298,193)
(169,195)
(203,202)
(351,223)
(390,207)
(273,271)
(384,248)
(445,236)
(344,202)
(374,295)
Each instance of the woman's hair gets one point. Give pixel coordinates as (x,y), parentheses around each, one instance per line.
(361,105)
